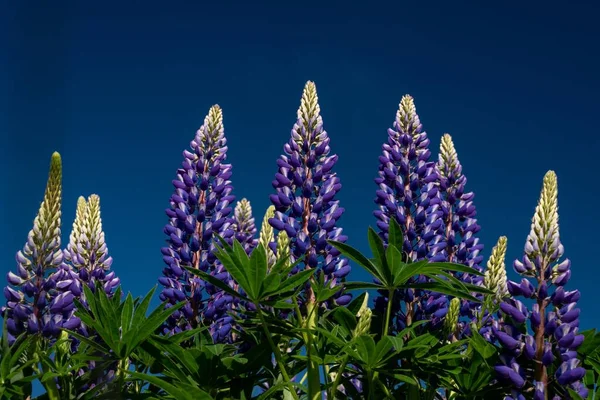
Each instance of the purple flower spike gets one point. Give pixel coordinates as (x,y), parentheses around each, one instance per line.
(200,209)
(408,191)
(243,225)
(556,329)
(86,254)
(39,302)
(305,204)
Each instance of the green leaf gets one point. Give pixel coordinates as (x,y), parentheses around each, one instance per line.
(381,353)
(362,285)
(395,237)
(345,318)
(356,303)
(257,271)
(292,282)
(394,259)
(447,266)
(127,314)
(180,392)
(484,348)
(356,256)
(442,288)
(234,262)
(365,347)
(147,328)
(271,283)
(376,245)
(216,282)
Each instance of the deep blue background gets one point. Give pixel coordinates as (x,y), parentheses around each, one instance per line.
(120,89)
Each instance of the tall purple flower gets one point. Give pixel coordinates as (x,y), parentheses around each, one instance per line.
(408,192)
(554,318)
(458,211)
(305,203)
(38,301)
(243,225)
(460,227)
(200,208)
(87,252)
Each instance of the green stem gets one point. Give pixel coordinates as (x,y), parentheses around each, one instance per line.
(122,369)
(51,387)
(314,381)
(278,356)
(338,377)
(371,385)
(386,324)
(388,313)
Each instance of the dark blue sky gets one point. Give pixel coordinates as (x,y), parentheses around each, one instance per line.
(120,89)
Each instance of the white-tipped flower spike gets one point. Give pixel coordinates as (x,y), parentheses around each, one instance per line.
(495,274)
(42,249)
(363,306)
(40,301)
(74,250)
(97,251)
(243,225)
(364,323)
(448,163)
(553,316)
(451,321)
(309,113)
(283,246)
(544,239)
(87,252)
(267,235)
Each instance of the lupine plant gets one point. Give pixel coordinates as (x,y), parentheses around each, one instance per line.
(269,314)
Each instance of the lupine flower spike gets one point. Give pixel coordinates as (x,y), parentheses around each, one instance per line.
(495,280)
(495,275)
(554,317)
(408,192)
(459,224)
(37,301)
(200,208)
(305,203)
(267,235)
(243,225)
(87,252)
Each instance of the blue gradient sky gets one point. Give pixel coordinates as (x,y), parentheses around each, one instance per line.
(119,91)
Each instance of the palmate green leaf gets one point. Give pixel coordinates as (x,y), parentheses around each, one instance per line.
(356,303)
(127,314)
(365,348)
(143,331)
(591,343)
(447,266)
(95,344)
(290,283)
(271,283)
(257,271)
(281,386)
(378,250)
(109,314)
(443,288)
(180,392)
(481,346)
(362,285)
(234,262)
(345,318)
(332,337)
(140,310)
(395,237)
(383,352)
(356,256)
(403,272)
(218,283)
